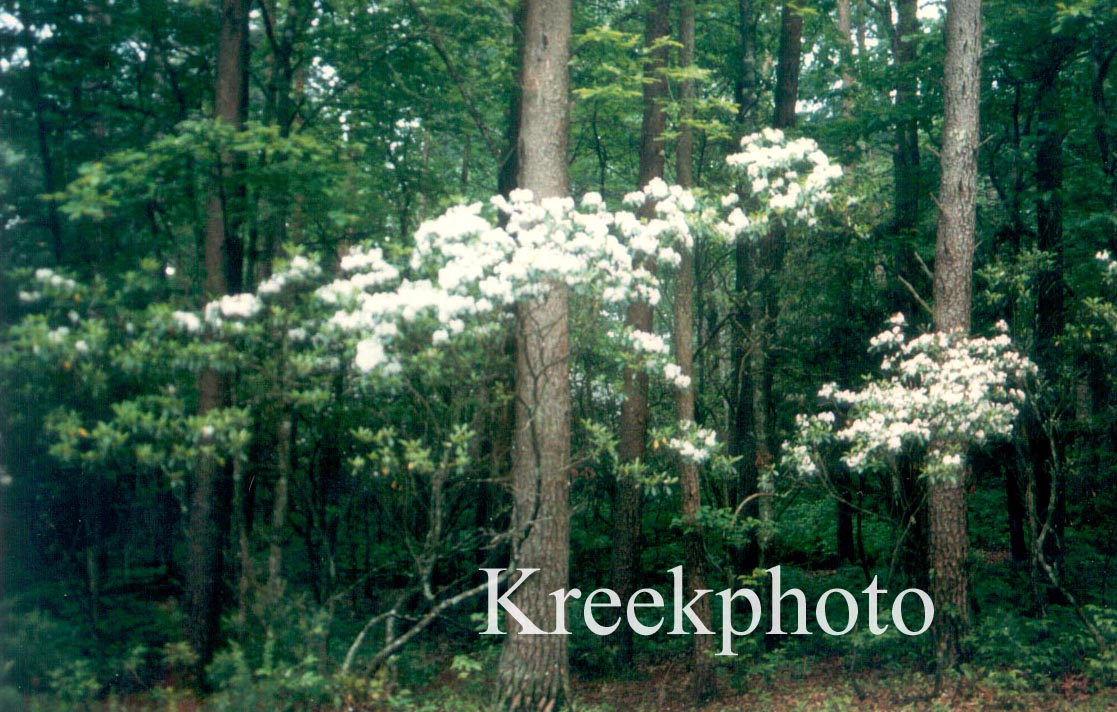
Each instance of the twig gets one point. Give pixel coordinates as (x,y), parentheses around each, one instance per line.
(926,270)
(440,48)
(919,299)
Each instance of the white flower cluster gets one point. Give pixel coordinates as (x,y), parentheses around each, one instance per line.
(789,179)
(644,342)
(1108,262)
(675,376)
(477,262)
(299,270)
(187,321)
(49,277)
(653,355)
(695,444)
(371,269)
(58,335)
(948,391)
(233,306)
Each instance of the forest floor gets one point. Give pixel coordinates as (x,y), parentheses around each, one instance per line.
(829,686)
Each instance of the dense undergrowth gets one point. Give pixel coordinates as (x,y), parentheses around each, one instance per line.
(51,660)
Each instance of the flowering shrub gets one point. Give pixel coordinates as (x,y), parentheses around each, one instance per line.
(466,269)
(938,390)
(474,261)
(783,180)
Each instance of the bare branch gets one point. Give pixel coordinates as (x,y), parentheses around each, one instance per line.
(922,302)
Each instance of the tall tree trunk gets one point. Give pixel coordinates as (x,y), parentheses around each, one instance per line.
(954,250)
(742,444)
(1050,291)
(1101,60)
(279,110)
(43,133)
(283,436)
(629,498)
(208,524)
(746,88)
(787,67)
(905,158)
(533,672)
(844,534)
(509,169)
(690,486)
(845,29)
(770,251)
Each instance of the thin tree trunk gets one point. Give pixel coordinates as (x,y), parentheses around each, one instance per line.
(46,160)
(742,443)
(770,251)
(629,497)
(208,524)
(1101,60)
(690,486)
(284,435)
(747,85)
(242,525)
(533,673)
(954,250)
(905,159)
(787,67)
(279,110)
(1050,292)
(509,170)
(845,28)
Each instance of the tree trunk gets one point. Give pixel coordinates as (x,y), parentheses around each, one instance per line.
(905,159)
(533,672)
(954,249)
(765,298)
(1050,293)
(690,486)
(283,440)
(787,68)
(43,133)
(629,498)
(208,525)
(1101,59)
(747,82)
(742,444)
(279,110)
(845,29)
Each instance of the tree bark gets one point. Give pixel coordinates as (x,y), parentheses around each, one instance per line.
(787,68)
(769,261)
(905,159)
(845,29)
(747,82)
(690,486)
(533,672)
(629,497)
(742,443)
(208,525)
(954,250)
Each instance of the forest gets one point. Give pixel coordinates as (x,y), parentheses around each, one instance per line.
(540,355)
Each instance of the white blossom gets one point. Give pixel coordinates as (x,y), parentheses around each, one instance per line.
(233,306)
(188,321)
(935,388)
(674,374)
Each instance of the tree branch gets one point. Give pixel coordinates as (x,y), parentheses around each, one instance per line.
(440,48)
